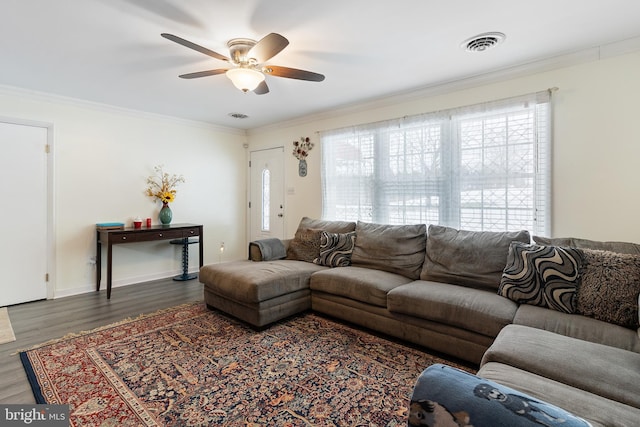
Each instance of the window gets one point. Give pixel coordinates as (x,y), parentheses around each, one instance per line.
(483,167)
(266,198)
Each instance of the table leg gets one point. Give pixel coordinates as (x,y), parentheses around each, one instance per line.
(109,259)
(98,261)
(201,248)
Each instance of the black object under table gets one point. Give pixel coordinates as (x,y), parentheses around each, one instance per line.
(185,242)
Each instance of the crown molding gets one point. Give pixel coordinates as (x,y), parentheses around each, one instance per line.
(107,108)
(448,86)
(567,59)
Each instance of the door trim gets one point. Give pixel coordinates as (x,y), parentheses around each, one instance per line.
(248,190)
(51,240)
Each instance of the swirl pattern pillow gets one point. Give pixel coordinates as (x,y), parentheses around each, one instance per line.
(546,276)
(336,249)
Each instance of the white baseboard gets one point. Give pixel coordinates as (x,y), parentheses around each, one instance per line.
(116,283)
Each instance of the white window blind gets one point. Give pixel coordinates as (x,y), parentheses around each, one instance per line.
(482,167)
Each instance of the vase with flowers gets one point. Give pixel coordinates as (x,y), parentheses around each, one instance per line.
(301,151)
(161,186)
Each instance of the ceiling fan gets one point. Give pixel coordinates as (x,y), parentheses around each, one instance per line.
(248,58)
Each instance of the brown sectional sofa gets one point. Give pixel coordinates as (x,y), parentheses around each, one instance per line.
(438,289)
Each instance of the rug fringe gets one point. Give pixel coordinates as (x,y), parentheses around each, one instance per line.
(126,320)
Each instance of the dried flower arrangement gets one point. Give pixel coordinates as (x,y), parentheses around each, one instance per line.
(162,185)
(301,148)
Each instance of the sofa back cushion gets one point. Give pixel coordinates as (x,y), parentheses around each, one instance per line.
(393,248)
(469,258)
(620,247)
(327,225)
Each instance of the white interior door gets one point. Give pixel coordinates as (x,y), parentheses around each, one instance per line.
(23,247)
(266,205)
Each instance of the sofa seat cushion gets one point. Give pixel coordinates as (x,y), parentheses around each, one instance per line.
(477,310)
(599,411)
(254,282)
(357,283)
(447,339)
(578,326)
(599,369)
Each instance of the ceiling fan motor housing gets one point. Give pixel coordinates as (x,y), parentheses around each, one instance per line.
(239,49)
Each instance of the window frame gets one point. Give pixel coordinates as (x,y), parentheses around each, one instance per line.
(533,133)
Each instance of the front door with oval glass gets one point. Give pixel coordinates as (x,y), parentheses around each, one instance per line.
(266,205)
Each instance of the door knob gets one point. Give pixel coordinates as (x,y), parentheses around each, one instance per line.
(280,215)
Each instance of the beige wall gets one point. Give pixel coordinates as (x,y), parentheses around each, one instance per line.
(102,157)
(596,156)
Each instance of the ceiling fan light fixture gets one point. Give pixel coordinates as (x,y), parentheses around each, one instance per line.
(245,79)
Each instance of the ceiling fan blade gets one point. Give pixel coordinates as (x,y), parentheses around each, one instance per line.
(194,46)
(268,47)
(292,73)
(261,89)
(203,73)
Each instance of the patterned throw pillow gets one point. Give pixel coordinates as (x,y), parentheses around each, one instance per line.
(336,249)
(305,245)
(546,276)
(610,287)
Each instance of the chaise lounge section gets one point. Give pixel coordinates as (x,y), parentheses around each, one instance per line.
(268,290)
(259,293)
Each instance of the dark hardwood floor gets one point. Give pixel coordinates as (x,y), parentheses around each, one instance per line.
(40,321)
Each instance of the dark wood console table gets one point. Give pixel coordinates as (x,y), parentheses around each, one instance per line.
(132,235)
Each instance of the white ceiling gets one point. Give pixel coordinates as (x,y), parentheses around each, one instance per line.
(111,52)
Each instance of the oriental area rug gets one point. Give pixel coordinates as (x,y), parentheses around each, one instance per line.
(189,366)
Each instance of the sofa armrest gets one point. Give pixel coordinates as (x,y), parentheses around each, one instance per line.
(268,249)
